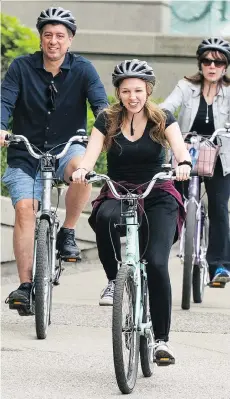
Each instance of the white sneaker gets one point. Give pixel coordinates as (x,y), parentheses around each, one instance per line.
(107,294)
(162,354)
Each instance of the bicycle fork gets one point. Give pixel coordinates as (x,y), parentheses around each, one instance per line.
(133,260)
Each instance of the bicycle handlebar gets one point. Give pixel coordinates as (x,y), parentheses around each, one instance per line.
(93,177)
(225,131)
(221,132)
(12,138)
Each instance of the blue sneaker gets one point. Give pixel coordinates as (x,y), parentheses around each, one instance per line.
(222,275)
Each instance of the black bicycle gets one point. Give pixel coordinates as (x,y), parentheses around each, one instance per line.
(47,262)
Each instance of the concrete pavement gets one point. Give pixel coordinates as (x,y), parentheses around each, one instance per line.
(75,361)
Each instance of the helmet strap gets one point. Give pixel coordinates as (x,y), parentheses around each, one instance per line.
(131,126)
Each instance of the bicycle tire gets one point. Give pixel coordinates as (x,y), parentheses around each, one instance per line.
(145,352)
(125,380)
(198,283)
(42,280)
(188,255)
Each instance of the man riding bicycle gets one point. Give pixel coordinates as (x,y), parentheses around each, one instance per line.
(46,94)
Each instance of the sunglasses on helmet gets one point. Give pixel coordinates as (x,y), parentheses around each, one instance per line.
(217,63)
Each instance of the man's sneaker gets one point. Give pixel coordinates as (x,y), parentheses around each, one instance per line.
(162,354)
(107,294)
(21,300)
(66,245)
(222,275)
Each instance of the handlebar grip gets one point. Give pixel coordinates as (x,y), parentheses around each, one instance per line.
(7,136)
(192,173)
(89,175)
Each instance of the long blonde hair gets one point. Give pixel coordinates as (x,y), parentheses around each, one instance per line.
(116,115)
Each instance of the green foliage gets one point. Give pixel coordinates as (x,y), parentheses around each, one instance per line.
(16,40)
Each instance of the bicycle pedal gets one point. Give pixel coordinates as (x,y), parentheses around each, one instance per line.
(70,259)
(22,308)
(164,361)
(216,284)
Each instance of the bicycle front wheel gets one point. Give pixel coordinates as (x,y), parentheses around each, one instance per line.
(200,271)
(188,254)
(42,280)
(126,340)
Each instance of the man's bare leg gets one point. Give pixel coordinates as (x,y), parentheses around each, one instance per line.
(76,196)
(23,239)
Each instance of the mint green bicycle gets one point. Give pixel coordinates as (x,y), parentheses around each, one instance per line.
(132,331)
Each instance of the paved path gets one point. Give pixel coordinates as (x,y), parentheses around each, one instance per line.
(75,361)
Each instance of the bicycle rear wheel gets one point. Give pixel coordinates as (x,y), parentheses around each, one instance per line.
(126,340)
(188,254)
(146,342)
(42,280)
(200,271)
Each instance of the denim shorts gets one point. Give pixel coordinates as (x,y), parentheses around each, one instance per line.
(22,186)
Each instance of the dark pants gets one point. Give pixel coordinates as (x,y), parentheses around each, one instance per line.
(162,212)
(218,193)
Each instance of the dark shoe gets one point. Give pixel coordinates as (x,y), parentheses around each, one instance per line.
(22,300)
(66,245)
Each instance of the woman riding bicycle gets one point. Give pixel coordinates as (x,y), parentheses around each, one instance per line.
(135,133)
(204,99)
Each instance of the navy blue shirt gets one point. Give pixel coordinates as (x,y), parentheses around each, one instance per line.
(26,97)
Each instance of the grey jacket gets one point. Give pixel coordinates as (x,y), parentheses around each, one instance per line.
(186,96)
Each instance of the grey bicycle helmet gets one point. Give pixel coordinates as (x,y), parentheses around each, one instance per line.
(215,44)
(133,69)
(59,15)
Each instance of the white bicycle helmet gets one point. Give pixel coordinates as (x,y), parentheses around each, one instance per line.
(59,15)
(133,69)
(214,44)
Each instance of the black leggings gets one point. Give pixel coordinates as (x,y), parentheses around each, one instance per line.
(162,212)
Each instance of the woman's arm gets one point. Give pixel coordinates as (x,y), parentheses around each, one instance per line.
(175,139)
(174,100)
(91,155)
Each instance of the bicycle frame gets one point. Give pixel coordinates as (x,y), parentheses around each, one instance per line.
(132,254)
(47,170)
(132,258)
(193,196)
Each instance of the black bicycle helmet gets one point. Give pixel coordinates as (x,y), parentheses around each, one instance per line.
(59,15)
(133,69)
(214,44)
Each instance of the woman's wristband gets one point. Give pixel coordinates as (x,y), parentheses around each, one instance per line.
(185,163)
